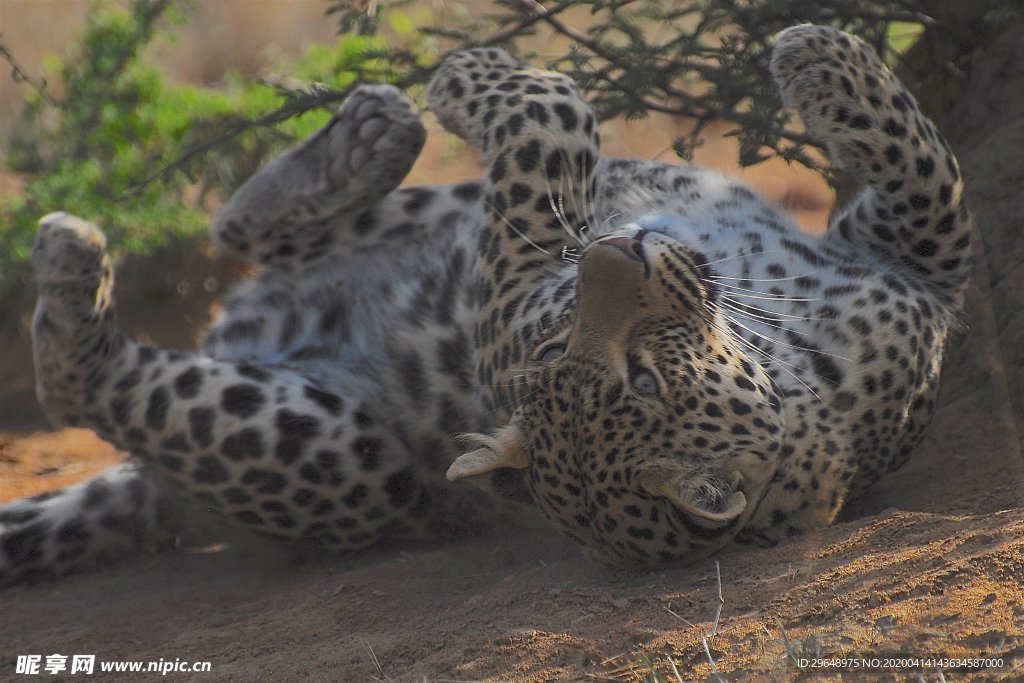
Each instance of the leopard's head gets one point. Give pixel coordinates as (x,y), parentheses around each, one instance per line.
(647,433)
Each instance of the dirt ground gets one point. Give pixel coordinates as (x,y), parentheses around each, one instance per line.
(928,566)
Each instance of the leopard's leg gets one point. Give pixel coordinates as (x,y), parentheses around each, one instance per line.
(912,212)
(540,142)
(117,513)
(325,220)
(299,205)
(265,447)
(539,138)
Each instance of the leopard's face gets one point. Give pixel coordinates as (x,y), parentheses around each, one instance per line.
(648,434)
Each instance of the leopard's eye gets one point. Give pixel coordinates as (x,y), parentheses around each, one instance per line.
(645,382)
(551,352)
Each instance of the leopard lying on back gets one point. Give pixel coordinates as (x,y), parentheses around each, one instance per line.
(662,362)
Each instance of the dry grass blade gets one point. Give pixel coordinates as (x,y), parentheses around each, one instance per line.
(711,661)
(721,600)
(679,617)
(675,670)
(374,661)
(788,644)
(614,657)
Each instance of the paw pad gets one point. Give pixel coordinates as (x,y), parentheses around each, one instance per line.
(376,132)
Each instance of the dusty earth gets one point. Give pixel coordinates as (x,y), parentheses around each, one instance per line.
(930,564)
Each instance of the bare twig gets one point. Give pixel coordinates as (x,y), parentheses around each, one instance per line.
(374,660)
(679,617)
(680,102)
(295,106)
(323,98)
(788,644)
(696,52)
(721,601)
(675,671)
(19,75)
(711,661)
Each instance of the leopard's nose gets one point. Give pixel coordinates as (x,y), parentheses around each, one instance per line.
(631,246)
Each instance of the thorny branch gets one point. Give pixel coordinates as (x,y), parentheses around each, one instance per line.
(19,75)
(711,65)
(320,98)
(613,80)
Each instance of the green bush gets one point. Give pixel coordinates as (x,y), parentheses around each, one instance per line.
(106,147)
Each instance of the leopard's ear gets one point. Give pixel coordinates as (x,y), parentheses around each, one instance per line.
(714,500)
(503,448)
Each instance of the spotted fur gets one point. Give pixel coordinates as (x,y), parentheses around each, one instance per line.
(663,361)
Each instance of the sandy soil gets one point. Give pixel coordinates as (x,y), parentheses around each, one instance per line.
(530,609)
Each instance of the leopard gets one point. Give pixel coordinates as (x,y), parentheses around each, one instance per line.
(654,357)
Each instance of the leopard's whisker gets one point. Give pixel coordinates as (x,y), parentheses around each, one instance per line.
(741,255)
(795,347)
(576,199)
(767,311)
(588,203)
(764,320)
(736,288)
(519,232)
(608,219)
(715,276)
(501,408)
(570,254)
(559,211)
(783,365)
(764,296)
